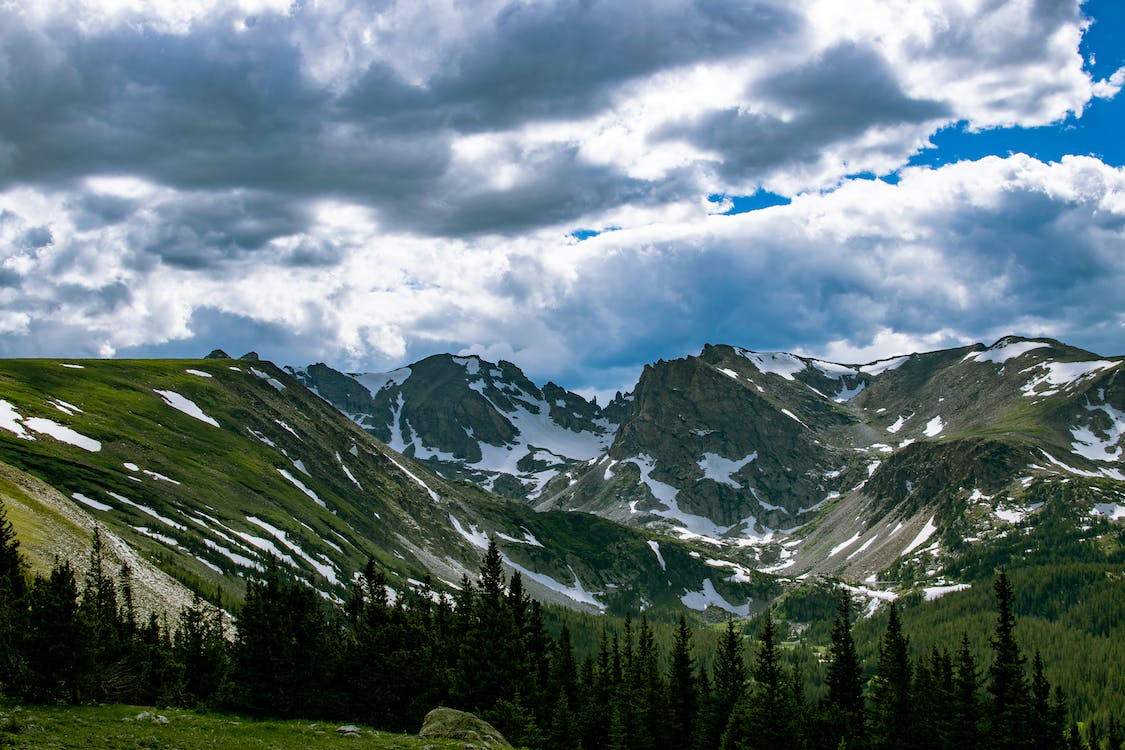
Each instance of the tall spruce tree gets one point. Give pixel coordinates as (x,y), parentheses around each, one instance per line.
(760,719)
(965,714)
(844,679)
(488,668)
(1044,734)
(683,700)
(13,603)
(1009,703)
(728,683)
(892,720)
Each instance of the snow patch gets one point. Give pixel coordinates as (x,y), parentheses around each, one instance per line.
(327,570)
(863,547)
(933,592)
(433,495)
(880,366)
(155,535)
(779,363)
(898,424)
(277,384)
(1107,473)
(1094,447)
(471,364)
(793,416)
(66,408)
(72,366)
(1057,375)
(842,545)
(934,427)
(92,503)
(528,538)
(149,511)
(377,381)
(158,476)
(240,560)
(575,591)
(179,403)
(707,596)
(1112,511)
(300,485)
(1004,350)
(10,421)
(200,373)
(660,558)
(62,433)
(473,535)
(721,470)
(287,428)
(923,536)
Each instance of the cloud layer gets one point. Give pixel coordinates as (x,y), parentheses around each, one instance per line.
(367,183)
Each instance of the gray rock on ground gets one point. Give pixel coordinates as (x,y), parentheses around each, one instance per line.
(449,723)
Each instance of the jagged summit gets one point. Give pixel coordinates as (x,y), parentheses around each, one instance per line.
(755,450)
(471,419)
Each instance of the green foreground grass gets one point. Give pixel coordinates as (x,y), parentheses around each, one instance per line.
(117,726)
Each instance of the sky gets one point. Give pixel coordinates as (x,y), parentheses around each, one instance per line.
(579,187)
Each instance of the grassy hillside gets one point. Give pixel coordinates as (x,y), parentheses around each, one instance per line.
(140,727)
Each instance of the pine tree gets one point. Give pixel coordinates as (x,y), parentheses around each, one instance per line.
(279,654)
(1009,704)
(760,717)
(845,678)
(965,716)
(683,702)
(13,603)
(1043,734)
(892,721)
(58,651)
(488,667)
(728,683)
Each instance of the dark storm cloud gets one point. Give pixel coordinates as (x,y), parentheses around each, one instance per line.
(204,229)
(229,106)
(543,61)
(842,94)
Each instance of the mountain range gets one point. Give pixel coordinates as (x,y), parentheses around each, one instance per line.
(719,483)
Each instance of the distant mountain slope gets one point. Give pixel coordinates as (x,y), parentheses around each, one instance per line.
(471,419)
(786,463)
(206,467)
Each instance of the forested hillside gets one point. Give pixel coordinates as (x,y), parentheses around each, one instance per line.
(74,636)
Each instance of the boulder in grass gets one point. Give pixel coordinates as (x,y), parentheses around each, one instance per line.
(348,730)
(451,724)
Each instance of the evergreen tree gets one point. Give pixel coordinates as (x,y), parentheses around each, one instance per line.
(488,668)
(279,651)
(1044,735)
(58,653)
(199,645)
(965,714)
(892,720)
(728,683)
(563,693)
(760,717)
(1008,707)
(844,679)
(13,604)
(683,702)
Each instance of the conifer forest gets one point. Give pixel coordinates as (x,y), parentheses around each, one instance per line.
(74,637)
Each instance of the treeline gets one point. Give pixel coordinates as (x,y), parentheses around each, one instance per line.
(385,660)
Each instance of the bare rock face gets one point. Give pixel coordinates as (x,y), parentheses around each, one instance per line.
(449,723)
